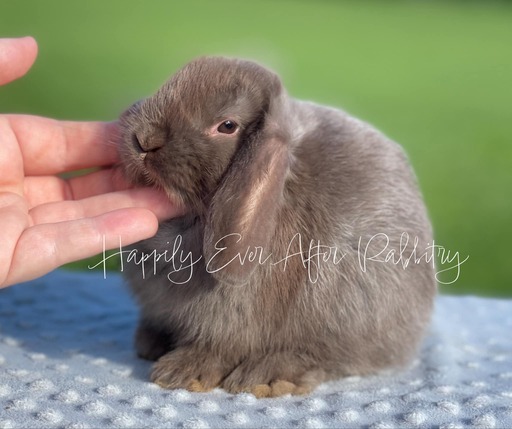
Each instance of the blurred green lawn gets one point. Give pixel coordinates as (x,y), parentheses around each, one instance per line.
(434,75)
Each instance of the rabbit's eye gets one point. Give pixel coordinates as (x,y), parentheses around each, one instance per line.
(227,127)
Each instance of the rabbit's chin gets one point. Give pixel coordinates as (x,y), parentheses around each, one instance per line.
(140,177)
(178,198)
(174,195)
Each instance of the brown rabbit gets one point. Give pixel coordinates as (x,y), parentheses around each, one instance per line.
(303,255)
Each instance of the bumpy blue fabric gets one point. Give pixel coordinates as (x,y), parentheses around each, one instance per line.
(67,360)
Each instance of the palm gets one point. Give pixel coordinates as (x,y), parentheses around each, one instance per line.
(48,221)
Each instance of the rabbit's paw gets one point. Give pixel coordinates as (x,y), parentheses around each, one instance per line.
(187,368)
(273,375)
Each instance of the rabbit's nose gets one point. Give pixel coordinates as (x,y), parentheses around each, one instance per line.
(144,144)
(136,143)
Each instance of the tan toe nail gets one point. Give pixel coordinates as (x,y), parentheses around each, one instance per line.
(261,391)
(282,387)
(196,386)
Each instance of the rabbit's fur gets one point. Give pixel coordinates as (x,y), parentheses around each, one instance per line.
(295,175)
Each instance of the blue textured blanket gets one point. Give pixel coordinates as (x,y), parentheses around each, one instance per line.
(67,360)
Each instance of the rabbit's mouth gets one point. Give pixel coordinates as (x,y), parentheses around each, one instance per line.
(145,169)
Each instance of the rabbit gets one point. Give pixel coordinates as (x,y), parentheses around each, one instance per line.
(302,254)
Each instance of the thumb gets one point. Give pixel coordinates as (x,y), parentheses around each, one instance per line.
(16,57)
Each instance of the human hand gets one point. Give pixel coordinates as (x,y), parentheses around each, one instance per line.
(47,221)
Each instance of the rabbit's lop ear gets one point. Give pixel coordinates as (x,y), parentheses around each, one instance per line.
(242,216)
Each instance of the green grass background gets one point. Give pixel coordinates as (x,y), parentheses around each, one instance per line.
(434,75)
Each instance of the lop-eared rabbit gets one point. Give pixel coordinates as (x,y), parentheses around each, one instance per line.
(301,256)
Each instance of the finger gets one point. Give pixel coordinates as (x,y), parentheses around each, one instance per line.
(49,146)
(14,220)
(147,198)
(11,160)
(44,189)
(16,58)
(42,248)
